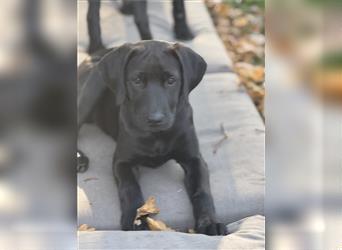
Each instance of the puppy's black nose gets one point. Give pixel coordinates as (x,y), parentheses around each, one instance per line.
(156,118)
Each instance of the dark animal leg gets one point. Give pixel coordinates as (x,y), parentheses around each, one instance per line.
(181,28)
(197,185)
(126,7)
(94,29)
(130,195)
(141,19)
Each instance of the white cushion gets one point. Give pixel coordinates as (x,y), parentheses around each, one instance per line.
(248,233)
(236,170)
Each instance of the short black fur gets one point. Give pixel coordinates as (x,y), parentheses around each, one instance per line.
(139,11)
(138,94)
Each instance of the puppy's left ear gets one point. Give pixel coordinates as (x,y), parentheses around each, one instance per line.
(193,66)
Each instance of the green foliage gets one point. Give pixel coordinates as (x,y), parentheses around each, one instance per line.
(332,60)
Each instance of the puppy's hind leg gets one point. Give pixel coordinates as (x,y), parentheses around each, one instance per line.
(181,28)
(94,29)
(127,7)
(141,19)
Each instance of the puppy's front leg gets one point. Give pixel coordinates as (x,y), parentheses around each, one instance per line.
(130,195)
(198,188)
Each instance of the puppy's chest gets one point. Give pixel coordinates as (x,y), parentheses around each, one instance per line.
(154,153)
(157,148)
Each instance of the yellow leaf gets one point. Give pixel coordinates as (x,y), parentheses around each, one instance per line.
(148,208)
(157,225)
(85,227)
(240,22)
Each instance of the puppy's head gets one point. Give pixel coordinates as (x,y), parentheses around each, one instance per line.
(151,81)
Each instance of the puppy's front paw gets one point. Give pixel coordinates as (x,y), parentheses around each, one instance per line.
(212,228)
(182,32)
(94,47)
(141,225)
(82,162)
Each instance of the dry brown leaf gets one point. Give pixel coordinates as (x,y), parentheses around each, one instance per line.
(234,13)
(249,71)
(157,225)
(241,30)
(258,74)
(245,46)
(240,22)
(222,9)
(148,208)
(85,227)
(257,39)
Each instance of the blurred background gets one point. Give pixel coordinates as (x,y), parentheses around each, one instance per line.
(304,124)
(37,120)
(296,84)
(300,69)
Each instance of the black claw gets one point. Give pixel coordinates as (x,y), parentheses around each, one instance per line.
(221,229)
(213,229)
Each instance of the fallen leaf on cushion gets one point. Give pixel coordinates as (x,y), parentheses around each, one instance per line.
(157,225)
(148,208)
(85,227)
(191,231)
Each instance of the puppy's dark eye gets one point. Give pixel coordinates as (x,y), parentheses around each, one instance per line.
(171,80)
(137,81)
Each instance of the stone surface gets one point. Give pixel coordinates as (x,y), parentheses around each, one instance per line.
(118,29)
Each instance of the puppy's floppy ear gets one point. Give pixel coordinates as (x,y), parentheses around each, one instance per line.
(108,72)
(111,69)
(193,66)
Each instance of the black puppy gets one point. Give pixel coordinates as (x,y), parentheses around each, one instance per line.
(138,94)
(139,10)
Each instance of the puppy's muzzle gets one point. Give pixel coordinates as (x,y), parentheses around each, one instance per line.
(156,119)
